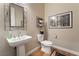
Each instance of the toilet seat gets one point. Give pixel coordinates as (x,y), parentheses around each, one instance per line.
(47,43)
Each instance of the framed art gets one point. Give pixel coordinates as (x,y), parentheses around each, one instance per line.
(61,20)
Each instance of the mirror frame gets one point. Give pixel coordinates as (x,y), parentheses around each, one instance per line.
(70,13)
(22,26)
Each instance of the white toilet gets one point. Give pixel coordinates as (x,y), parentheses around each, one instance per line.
(45,44)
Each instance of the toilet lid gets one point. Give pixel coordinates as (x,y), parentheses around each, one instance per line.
(47,43)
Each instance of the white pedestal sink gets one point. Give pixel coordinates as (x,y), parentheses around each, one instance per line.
(19,43)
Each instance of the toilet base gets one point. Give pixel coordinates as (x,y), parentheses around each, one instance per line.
(46,49)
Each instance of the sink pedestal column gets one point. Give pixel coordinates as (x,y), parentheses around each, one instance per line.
(21,50)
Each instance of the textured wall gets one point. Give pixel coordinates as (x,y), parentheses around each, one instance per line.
(33,10)
(67,38)
(5,49)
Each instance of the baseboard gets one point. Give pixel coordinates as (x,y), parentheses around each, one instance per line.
(30,52)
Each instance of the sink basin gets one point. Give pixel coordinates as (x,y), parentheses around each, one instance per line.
(14,42)
(19,42)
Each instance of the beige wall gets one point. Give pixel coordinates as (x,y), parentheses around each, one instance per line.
(67,38)
(5,49)
(33,10)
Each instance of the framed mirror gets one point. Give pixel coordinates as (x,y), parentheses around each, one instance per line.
(16,15)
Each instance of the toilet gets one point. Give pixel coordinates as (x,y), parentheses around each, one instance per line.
(45,44)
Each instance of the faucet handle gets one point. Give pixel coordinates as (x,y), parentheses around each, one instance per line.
(19,34)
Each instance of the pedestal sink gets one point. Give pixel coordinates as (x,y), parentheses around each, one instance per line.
(19,43)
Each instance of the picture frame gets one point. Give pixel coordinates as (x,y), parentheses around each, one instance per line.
(61,20)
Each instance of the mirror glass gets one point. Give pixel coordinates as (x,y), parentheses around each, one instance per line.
(16,15)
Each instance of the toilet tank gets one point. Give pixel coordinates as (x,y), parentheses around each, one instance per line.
(40,37)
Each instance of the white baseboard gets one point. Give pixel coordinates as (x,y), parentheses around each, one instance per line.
(30,52)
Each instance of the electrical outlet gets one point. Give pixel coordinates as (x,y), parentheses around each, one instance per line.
(55,37)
